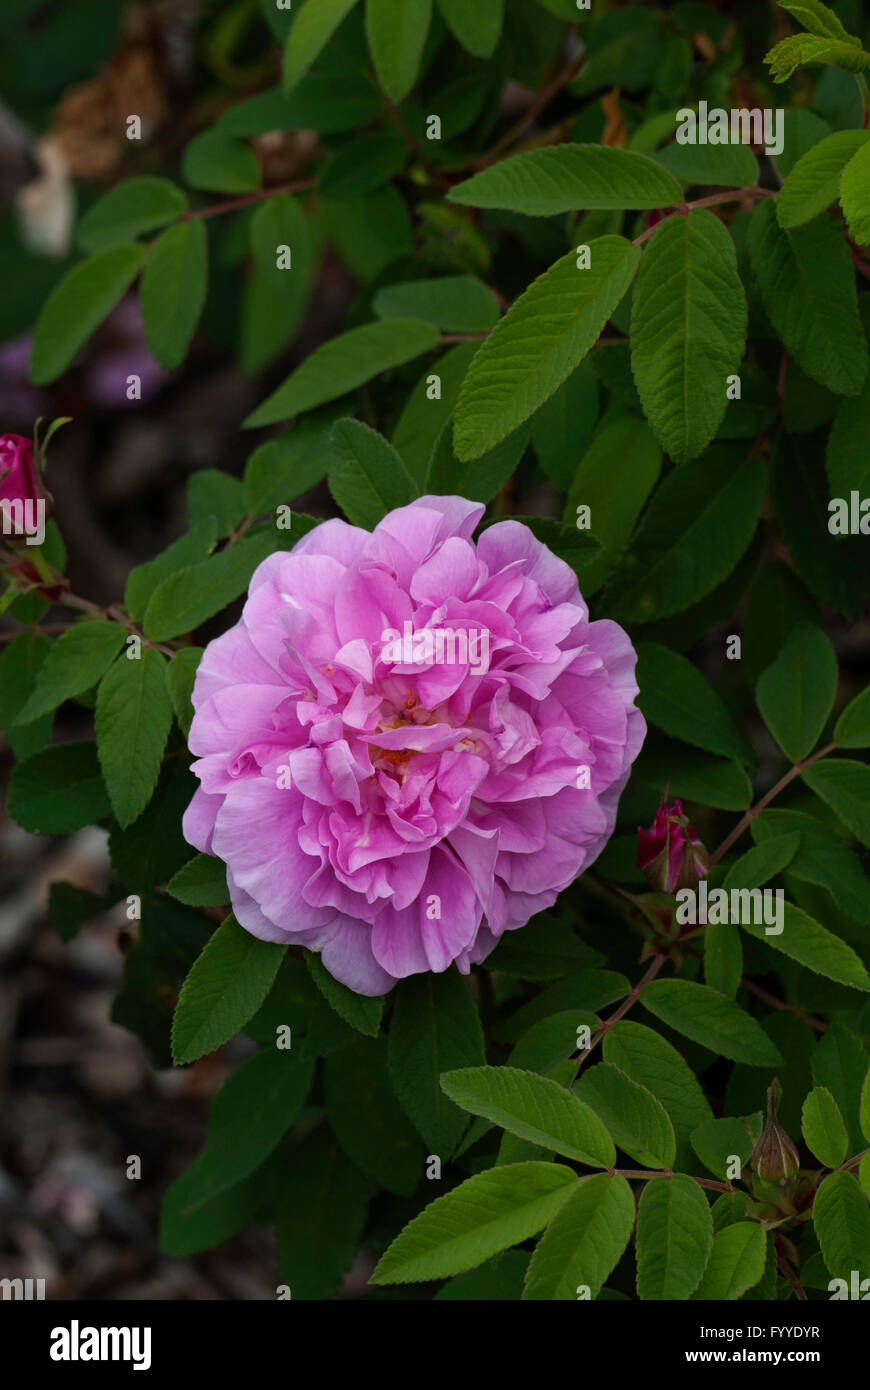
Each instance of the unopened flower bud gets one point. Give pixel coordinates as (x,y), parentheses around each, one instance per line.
(774,1157)
(670,853)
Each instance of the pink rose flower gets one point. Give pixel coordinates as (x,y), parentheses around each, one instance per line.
(390,797)
(670,853)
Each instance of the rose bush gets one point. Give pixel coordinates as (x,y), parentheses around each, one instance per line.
(555,526)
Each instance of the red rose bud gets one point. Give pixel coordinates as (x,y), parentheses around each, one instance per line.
(23,506)
(774,1157)
(670,853)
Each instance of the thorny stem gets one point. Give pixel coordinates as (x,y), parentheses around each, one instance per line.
(775,1003)
(630,1000)
(115,615)
(788,1273)
(542,100)
(733,195)
(669,1173)
(232,204)
(766,800)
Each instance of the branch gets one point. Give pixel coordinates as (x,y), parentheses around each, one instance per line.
(766,799)
(653,969)
(734,195)
(232,204)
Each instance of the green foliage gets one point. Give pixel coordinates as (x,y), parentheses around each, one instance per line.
(461,249)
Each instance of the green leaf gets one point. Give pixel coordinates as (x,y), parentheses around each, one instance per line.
(674,1238)
(637,1121)
(129,210)
(319,1219)
(253,1109)
(807,283)
(805,940)
(839,1062)
(480,480)
(424,417)
(485,1214)
(656,1064)
(865,1108)
(583,1242)
(819,19)
(361,1012)
(814,182)
(328,102)
(376,1135)
(280,470)
(808,49)
(279,234)
(58,790)
(832,566)
(564,423)
(226,986)
(763,862)
(712,1020)
(796,692)
(717,1141)
(693,776)
(195,545)
(864,1174)
(845,786)
(823,1129)
(540,340)
(201,883)
(694,532)
(73,664)
(617,472)
(133,719)
(500,1279)
(723,958)
(186,1232)
(688,328)
(173,290)
(70,907)
(534,1108)
(310,32)
(453,303)
(841,1218)
(855,194)
(477,26)
(212,493)
(434,1028)
(187,597)
(150,850)
(847,459)
(822,858)
(550,950)
(343,363)
(396,31)
(676,697)
(736,1262)
(82,299)
(369,478)
(20,663)
(180,676)
(220,163)
(731,166)
(365,164)
(568,178)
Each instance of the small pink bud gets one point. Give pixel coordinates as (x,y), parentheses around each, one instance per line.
(670,853)
(21,485)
